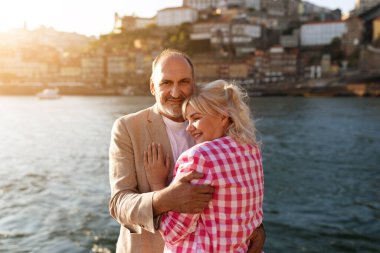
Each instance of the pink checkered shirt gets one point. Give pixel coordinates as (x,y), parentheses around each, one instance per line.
(235,170)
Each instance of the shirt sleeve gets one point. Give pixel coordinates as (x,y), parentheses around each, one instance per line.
(175,227)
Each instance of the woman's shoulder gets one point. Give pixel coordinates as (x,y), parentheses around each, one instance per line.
(207,147)
(228,144)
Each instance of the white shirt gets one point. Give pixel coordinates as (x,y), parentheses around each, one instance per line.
(179,139)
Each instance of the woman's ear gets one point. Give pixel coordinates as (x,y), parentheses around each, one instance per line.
(225,120)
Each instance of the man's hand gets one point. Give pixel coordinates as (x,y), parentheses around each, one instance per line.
(257,240)
(183,197)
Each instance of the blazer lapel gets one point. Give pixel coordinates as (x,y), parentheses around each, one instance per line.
(158,134)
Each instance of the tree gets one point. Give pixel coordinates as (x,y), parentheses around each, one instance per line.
(178,38)
(335,50)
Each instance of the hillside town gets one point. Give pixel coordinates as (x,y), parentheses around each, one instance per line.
(270,47)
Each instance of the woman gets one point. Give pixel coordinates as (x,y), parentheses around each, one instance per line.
(227,154)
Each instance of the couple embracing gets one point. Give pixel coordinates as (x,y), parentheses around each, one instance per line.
(171,195)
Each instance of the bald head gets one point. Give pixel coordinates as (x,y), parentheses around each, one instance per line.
(169,53)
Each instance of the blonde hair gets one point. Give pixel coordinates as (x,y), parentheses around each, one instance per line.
(221,97)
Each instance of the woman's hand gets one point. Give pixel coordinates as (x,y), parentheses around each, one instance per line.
(156,166)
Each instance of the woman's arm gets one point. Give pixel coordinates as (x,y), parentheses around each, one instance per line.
(175,227)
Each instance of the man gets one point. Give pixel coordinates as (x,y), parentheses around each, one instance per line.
(132,203)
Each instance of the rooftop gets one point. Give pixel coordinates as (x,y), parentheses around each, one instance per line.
(177,8)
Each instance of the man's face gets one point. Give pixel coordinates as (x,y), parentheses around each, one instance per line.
(172,82)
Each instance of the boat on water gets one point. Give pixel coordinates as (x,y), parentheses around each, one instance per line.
(49,94)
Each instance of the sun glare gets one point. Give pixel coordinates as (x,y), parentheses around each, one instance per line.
(83,16)
(17,13)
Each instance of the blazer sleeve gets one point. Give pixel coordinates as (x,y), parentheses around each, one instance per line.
(127,205)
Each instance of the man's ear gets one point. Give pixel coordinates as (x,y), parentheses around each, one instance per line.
(152,90)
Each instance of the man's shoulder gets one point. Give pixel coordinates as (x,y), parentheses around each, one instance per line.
(133,121)
(135,116)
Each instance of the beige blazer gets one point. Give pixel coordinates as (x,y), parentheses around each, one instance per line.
(131,196)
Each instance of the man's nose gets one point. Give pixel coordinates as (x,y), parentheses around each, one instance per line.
(175,91)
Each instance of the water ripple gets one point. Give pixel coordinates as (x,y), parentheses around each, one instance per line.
(321,163)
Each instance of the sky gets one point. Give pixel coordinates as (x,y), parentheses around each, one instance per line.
(94,17)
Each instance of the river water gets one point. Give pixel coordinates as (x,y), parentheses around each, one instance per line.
(321,162)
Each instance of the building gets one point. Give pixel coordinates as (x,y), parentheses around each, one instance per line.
(220,33)
(334,15)
(201,5)
(244,32)
(13,64)
(280,8)
(290,41)
(274,7)
(276,65)
(123,69)
(117,67)
(93,70)
(293,7)
(309,12)
(376,29)
(368,18)
(209,69)
(128,23)
(273,66)
(325,66)
(253,4)
(370,60)
(363,5)
(202,31)
(249,4)
(206,70)
(121,66)
(353,37)
(245,38)
(176,16)
(310,9)
(230,3)
(321,33)
(225,36)
(71,73)
(267,22)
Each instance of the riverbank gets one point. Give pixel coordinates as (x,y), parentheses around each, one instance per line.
(350,90)
(63,90)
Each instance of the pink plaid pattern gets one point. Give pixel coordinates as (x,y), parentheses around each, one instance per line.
(235,170)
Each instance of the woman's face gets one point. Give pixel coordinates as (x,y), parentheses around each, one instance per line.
(205,127)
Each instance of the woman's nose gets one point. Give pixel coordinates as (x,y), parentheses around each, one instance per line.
(189,127)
